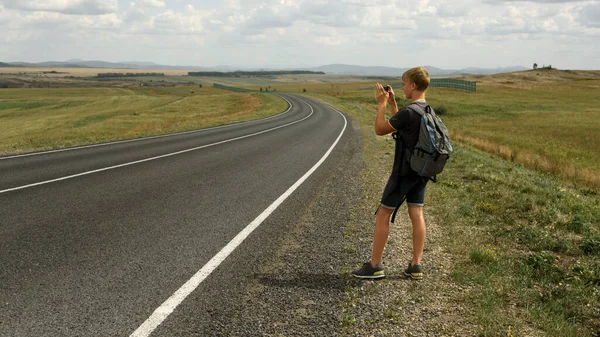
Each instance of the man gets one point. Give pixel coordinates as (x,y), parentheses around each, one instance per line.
(404,183)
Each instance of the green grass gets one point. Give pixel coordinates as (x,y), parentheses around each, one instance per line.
(527,242)
(542,268)
(551,128)
(41,119)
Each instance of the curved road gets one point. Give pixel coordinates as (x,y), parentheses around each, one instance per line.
(109,240)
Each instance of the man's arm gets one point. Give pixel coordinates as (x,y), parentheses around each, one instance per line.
(382,126)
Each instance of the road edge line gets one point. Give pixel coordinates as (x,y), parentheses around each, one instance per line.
(162,312)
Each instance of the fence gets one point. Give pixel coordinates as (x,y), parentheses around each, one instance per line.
(440,83)
(453,83)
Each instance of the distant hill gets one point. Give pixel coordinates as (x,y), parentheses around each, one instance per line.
(535,76)
(77,63)
(341,69)
(344,69)
(6,65)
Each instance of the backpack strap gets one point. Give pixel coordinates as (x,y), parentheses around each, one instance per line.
(418,109)
(397,208)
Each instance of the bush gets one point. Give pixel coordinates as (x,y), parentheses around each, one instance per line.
(588,274)
(440,110)
(542,266)
(577,224)
(590,245)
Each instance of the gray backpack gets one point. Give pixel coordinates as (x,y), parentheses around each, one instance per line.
(433,148)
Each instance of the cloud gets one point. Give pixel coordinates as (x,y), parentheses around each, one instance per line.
(537,1)
(151,3)
(590,15)
(266,17)
(88,7)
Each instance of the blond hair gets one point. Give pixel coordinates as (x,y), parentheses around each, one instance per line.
(418,76)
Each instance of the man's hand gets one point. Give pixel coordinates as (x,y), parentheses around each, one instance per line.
(381,95)
(391,95)
(382,126)
(392,100)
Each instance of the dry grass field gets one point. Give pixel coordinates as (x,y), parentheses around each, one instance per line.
(41,119)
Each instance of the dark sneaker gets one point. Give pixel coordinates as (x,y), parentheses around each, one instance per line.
(369,272)
(414,272)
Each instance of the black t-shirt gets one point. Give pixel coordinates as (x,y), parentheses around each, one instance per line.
(407,123)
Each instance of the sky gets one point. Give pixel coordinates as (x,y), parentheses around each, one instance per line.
(278,34)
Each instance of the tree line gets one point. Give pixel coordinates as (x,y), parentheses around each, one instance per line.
(253,73)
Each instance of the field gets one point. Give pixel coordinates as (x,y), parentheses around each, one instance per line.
(550,124)
(41,119)
(518,204)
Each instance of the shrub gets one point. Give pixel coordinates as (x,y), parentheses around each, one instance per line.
(590,245)
(587,274)
(440,110)
(577,224)
(542,266)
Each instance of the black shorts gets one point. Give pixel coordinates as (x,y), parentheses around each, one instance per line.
(412,187)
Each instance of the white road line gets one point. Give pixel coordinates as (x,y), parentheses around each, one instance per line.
(146,138)
(162,312)
(152,158)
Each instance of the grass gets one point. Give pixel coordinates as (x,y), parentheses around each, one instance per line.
(551,128)
(541,270)
(526,241)
(41,119)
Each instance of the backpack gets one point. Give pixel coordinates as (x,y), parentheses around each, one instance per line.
(433,148)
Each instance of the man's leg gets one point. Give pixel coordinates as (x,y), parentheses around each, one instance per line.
(380,234)
(418,232)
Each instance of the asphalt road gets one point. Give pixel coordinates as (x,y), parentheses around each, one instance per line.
(94,240)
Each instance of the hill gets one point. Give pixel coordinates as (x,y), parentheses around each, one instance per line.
(535,76)
(6,65)
(345,69)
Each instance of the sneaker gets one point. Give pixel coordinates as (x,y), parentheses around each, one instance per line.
(369,272)
(414,272)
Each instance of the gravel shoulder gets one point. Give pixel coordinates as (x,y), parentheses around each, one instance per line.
(299,289)
(396,306)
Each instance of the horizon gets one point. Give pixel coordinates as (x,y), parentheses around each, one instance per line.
(139,63)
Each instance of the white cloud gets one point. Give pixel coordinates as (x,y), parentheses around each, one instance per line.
(90,7)
(537,1)
(590,15)
(329,41)
(152,3)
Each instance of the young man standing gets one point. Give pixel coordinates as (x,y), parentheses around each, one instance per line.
(404,183)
